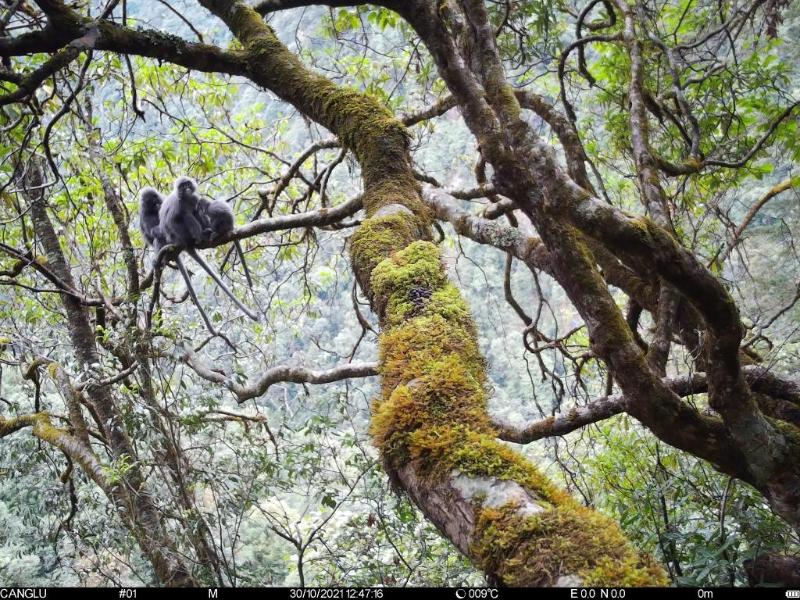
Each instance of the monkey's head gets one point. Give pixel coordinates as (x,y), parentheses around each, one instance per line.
(149,200)
(185,187)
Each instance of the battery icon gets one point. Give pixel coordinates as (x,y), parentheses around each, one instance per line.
(793,593)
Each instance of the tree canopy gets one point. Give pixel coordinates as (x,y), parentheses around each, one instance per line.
(525,272)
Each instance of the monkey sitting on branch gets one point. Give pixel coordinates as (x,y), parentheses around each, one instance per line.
(183,219)
(218,221)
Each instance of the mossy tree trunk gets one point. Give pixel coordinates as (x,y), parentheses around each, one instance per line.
(757,447)
(430,423)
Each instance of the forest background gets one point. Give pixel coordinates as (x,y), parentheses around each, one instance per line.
(260,457)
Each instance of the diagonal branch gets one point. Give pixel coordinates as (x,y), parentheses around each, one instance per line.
(562,424)
(70,445)
(759,378)
(786,184)
(29,84)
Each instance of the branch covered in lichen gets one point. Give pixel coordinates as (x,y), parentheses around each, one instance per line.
(44,429)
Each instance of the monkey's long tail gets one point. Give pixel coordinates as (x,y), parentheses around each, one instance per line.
(188,281)
(244,263)
(198,259)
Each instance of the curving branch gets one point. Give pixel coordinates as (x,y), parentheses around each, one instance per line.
(565,131)
(425,114)
(88,34)
(778,188)
(736,164)
(562,424)
(73,447)
(279,374)
(529,248)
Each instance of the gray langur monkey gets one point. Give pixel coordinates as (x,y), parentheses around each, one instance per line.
(179,218)
(180,223)
(183,224)
(217,218)
(149,204)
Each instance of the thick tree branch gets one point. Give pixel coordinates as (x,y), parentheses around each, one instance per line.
(70,445)
(530,249)
(105,35)
(562,424)
(773,569)
(267,6)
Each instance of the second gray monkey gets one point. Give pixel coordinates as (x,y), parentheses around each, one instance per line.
(217,218)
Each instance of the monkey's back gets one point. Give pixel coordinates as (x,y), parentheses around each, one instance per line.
(220,216)
(150,202)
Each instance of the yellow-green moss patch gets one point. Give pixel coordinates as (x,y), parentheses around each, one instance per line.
(432,413)
(377,238)
(569,540)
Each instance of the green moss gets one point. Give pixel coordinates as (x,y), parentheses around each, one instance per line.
(469,447)
(791,433)
(448,303)
(45,430)
(363,124)
(417,265)
(433,413)
(566,540)
(378,238)
(413,284)
(411,350)
(432,371)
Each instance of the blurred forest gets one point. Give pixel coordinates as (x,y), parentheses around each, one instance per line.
(138,448)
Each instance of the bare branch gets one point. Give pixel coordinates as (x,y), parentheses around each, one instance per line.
(759,144)
(279,374)
(778,188)
(576,418)
(425,114)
